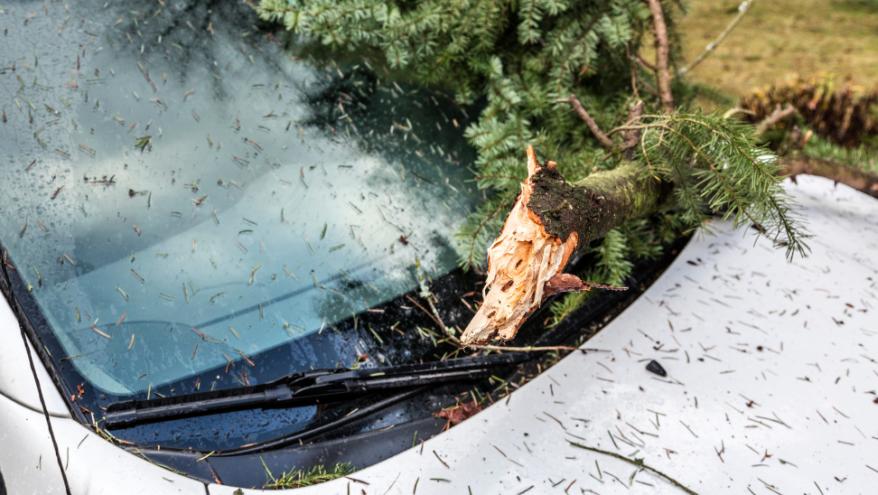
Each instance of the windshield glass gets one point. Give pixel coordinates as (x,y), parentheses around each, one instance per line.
(181,193)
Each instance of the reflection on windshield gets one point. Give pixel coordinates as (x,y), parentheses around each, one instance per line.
(180,193)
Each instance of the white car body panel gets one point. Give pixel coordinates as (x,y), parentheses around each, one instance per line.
(27,458)
(772,377)
(16,379)
(93,465)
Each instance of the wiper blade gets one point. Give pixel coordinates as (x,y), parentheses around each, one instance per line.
(310,387)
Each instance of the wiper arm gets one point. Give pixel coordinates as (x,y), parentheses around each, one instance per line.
(310,387)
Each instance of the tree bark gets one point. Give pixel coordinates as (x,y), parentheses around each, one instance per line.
(596,131)
(662,55)
(552,219)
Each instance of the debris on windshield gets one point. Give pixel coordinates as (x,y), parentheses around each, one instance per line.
(57,192)
(100,332)
(143,143)
(104,180)
(381,179)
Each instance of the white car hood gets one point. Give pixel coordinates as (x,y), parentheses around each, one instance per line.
(772,376)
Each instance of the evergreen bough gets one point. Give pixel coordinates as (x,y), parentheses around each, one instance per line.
(519,62)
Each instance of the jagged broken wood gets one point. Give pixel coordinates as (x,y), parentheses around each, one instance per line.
(551,220)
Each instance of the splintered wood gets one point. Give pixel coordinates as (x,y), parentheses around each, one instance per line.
(525,266)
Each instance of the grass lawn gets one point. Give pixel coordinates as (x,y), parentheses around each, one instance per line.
(778,38)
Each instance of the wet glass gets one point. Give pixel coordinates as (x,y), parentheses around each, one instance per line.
(179,192)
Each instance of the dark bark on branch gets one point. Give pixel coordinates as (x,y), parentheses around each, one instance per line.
(662,54)
(552,219)
(591,207)
(583,114)
(847,175)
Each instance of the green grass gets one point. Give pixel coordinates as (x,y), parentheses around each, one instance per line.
(780,38)
(863,157)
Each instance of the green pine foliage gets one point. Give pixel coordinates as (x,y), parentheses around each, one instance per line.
(717,168)
(518,61)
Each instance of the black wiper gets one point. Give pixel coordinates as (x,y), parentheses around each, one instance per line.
(306,388)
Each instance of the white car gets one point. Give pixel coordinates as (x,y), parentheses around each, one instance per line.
(211,261)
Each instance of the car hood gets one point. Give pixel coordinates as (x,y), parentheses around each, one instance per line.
(770,368)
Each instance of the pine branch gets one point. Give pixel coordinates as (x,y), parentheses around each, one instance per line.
(643,63)
(518,57)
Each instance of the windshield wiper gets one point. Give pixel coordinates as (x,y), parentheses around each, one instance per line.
(310,387)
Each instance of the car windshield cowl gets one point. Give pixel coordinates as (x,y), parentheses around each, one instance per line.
(307,388)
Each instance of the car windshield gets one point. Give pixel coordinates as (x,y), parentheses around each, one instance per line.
(181,193)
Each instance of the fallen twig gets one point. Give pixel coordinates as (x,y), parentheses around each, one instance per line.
(735,111)
(636,462)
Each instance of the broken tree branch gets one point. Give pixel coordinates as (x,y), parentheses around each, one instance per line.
(861,180)
(779,114)
(742,9)
(428,296)
(858,179)
(552,219)
(662,53)
(580,110)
